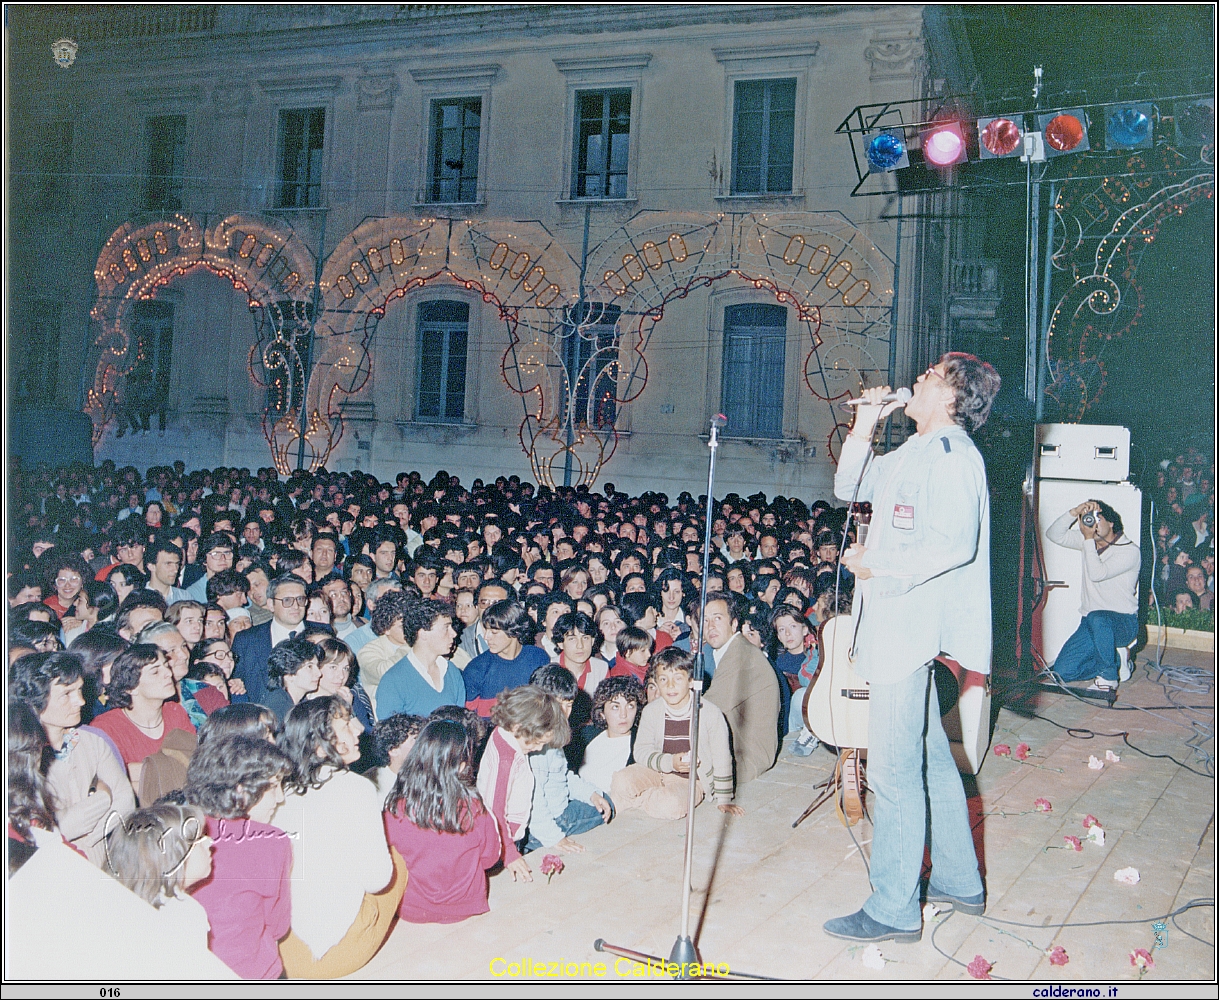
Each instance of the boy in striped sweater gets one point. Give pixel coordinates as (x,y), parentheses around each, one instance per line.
(659,783)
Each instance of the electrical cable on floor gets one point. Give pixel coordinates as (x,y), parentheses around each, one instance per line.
(1192,904)
(1083,733)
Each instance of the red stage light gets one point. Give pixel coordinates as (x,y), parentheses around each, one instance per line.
(944,145)
(1064,132)
(1001,136)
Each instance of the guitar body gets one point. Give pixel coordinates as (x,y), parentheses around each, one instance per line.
(836,703)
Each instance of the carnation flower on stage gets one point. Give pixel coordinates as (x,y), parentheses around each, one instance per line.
(552,864)
(979,968)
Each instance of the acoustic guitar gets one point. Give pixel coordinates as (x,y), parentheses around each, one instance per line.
(836,702)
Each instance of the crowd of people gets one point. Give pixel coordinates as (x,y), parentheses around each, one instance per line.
(285,714)
(1184,497)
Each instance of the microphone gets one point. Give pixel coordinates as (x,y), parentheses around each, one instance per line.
(901,397)
(719,421)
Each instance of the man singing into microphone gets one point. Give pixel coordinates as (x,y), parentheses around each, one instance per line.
(923,588)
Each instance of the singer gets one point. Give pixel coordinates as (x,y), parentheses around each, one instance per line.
(923,588)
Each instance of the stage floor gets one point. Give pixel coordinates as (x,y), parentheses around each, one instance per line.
(772,887)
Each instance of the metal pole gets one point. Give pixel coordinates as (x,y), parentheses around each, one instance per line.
(1043,339)
(307,364)
(574,332)
(897,267)
(683,949)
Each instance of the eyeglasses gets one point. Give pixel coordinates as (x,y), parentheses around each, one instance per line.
(73,578)
(221,654)
(293,602)
(931,371)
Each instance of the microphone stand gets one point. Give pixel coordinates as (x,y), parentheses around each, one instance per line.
(684,953)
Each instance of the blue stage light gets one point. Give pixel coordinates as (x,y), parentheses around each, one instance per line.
(1128,127)
(887,151)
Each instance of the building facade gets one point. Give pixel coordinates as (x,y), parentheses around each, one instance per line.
(674,172)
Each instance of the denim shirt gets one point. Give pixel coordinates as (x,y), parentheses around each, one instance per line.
(928,549)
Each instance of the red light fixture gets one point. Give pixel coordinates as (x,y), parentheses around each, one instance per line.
(1064,131)
(999,137)
(944,145)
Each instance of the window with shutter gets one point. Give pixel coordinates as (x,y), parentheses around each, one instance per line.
(755,338)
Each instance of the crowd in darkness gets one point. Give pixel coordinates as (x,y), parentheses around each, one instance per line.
(330,703)
(1184,524)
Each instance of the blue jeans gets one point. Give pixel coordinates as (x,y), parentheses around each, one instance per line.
(1092,649)
(910,769)
(578,817)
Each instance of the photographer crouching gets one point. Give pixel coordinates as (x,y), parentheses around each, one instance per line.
(1109,600)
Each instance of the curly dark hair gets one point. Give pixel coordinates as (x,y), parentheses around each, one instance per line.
(975,384)
(308,729)
(396,730)
(287,658)
(31,677)
(228,776)
(390,608)
(624,686)
(421,616)
(126,670)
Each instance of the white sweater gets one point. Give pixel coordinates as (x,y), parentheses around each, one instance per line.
(339,854)
(602,757)
(1110,578)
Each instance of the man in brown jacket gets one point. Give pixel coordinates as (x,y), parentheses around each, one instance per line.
(744,687)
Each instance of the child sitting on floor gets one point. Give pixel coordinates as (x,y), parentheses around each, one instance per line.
(563,803)
(437,822)
(660,785)
(527,719)
(634,651)
(615,710)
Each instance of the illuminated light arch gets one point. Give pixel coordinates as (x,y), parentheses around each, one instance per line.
(839,283)
(1104,301)
(261,258)
(819,263)
(518,267)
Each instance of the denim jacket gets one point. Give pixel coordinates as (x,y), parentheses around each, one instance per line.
(928,548)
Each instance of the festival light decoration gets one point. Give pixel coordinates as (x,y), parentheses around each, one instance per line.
(573,398)
(1108,225)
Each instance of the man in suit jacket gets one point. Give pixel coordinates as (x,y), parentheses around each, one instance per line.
(251,647)
(744,687)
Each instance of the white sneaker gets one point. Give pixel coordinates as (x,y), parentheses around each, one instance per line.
(1102,684)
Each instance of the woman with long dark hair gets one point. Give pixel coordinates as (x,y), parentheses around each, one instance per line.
(30,805)
(346,887)
(435,819)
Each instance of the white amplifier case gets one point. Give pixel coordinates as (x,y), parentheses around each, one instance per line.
(1094,452)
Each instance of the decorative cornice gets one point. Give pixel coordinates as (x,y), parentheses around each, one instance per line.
(594,64)
(480,75)
(301,84)
(187,93)
(752,53)
(895,57)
